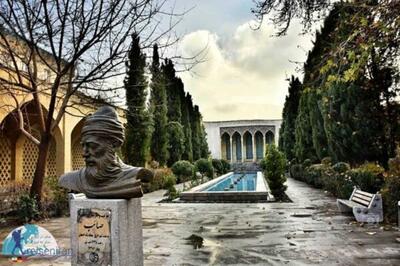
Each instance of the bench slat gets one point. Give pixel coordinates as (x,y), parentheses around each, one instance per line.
(362,197)
(361,201)
(350,203)
(364,193)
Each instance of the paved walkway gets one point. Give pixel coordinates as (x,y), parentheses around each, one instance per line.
(308,231)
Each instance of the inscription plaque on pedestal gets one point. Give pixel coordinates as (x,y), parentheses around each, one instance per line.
(94,237)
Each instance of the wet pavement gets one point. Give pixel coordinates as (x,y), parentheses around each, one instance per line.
(310,230)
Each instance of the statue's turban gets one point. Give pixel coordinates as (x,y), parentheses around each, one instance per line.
(105,123)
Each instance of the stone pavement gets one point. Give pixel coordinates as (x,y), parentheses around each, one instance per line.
(308,231)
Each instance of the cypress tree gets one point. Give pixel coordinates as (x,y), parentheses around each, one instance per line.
(353,124)
(352,104)
(318,134)
(172,84)
(313,81)
(204,151)
(137,129)
(188,151)
(195,126)
(287,130)
(176,144)
(158,103)
(304,148)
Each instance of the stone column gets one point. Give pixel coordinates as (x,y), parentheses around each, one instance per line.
(234,159)
(253,137)
(231,148)
(242,146)
(263,146)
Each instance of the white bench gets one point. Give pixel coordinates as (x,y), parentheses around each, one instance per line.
(366,207)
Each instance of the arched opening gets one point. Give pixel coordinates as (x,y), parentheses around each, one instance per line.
(259,145)
(226,146)
(237,147)
(248,145)
(24,152)
(77,161)
(269,137)
(18,154)
(5,159)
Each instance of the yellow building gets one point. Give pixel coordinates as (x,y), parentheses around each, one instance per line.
(18,154)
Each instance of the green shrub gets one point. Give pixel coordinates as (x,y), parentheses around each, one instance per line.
(313,175)
(204,167)
(169,185)
(28,209)
(296,171)
(54,198)
(390,196)
(169,181)
(344,185)
(263,164)
(183,170)
(341,167)
(326,161)
(218,167)
(307,163)
(368,177)
(158,180)
(226,165)
(391,189)
(274,171)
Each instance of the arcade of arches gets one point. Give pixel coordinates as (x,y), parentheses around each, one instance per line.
(245,146)
(241,141)
(18,154)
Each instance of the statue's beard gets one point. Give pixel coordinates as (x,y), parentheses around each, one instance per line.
(107,167)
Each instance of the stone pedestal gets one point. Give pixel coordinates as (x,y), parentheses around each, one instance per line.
(106,232)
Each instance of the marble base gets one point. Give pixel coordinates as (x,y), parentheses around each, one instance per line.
(125,223)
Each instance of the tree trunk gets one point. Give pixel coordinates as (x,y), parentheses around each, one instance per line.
(37,183)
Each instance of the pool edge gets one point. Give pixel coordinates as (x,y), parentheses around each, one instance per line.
(196,194)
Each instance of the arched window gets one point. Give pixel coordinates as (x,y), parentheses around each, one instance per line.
(259,145)
(226,146)
(237,144)
(269,137)
(249,145)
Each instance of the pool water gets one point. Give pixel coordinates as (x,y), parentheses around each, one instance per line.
(235,182)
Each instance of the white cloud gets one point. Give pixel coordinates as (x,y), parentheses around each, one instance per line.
(244,75)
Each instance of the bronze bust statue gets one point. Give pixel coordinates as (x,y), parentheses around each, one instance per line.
(105,175)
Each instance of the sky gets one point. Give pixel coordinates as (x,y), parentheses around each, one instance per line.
(245,72)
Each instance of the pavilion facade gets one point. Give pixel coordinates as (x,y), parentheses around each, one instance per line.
(241,140)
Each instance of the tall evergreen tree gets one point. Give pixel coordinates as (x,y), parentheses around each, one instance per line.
(158,104)
(287,130)
(304,148)
(188,151)
(351,103)
(172,84)
(352,121)
(176,144)
(318,134)
(204,150)
(195,126)
(313,81)
(137,129)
